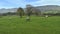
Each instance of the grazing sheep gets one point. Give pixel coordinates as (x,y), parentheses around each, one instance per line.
(46,16)
(28,18)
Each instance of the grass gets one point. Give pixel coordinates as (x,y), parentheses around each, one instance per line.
(37,25)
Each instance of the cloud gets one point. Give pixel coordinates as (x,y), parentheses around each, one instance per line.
(30,0)
(23,3)
(46,2)
(16,3)
(5,3)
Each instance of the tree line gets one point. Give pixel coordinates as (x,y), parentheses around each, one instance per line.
(29,10)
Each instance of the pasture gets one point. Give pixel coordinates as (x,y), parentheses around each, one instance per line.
(37,25)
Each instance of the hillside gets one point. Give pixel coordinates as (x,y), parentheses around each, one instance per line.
(3,10)
(49,8)
(42,8)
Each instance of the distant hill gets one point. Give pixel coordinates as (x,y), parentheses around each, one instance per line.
(46,8)
(3,10)
(49,8)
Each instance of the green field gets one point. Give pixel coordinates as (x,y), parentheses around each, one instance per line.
(37,25)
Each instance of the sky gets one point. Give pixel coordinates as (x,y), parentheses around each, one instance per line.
(23,3)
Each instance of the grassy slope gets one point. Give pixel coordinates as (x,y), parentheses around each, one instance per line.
(37,25)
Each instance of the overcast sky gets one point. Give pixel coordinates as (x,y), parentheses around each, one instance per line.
(22,3)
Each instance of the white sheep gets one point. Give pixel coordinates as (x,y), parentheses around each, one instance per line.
(28,18)
(46,16)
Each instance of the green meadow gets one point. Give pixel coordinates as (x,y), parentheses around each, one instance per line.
(37,25)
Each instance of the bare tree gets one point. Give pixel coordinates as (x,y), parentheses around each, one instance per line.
(20,12)
(29,10)
(36,11)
